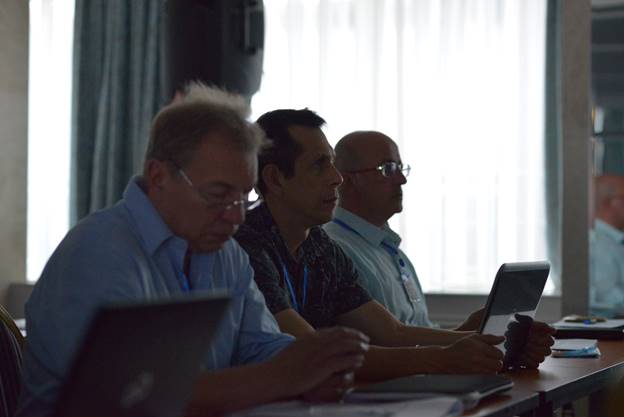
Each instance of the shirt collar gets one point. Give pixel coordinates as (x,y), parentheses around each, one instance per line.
(150,224)
(261,220)
(609,230)
(371,233)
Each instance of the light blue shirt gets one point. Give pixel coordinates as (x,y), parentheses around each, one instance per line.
(128,253)
(381,265)
(607,269)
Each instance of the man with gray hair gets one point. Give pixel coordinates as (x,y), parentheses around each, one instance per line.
(607,247)
(169,235)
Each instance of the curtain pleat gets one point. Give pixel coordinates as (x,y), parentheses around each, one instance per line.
(117,91)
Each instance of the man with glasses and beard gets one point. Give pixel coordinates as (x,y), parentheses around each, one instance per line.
(170,235)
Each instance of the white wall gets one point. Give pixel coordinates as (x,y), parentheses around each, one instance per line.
(13,140)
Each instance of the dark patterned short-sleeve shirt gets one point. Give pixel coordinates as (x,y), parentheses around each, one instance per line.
(332,282)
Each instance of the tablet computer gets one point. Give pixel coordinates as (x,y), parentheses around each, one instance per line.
(512,304)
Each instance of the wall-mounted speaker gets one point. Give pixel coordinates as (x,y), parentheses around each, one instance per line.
(218,42)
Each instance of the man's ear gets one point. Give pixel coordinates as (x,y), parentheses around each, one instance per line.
(273,179)
(156,174)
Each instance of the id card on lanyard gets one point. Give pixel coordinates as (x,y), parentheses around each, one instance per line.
(410,288)
(409,284)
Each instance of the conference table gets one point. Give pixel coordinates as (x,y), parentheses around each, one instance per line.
(537,393)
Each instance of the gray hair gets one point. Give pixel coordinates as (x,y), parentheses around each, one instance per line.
(178,129)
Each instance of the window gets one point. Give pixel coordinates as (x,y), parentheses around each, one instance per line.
(459,86)
(49,104)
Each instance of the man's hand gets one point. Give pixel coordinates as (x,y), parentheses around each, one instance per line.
(538,345)
(473,354)
(473,321)
(321,363)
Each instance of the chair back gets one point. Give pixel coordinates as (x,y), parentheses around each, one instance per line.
(8,321)
(10,364)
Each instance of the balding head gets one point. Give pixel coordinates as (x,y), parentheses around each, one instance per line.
(366,191)
(357,149)
(609,192)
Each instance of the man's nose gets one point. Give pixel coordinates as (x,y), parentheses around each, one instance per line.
(234,214)
(336,176)
(400,177)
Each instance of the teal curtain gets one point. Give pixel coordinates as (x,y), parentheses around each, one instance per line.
(553,144)
(116,92)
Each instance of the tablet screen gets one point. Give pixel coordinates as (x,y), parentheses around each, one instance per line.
(513,301)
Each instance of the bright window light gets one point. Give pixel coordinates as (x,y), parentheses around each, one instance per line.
(49,104)
(460,88)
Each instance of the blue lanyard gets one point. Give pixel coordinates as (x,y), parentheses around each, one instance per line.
(293,296)
(185,282)
(391,250)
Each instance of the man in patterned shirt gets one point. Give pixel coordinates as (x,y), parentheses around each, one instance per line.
(310,283)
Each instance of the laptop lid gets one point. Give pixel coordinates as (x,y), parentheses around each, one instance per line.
(512,304)
(141,359)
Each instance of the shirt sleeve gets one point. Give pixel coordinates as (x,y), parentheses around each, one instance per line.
(259,336)
(349,294)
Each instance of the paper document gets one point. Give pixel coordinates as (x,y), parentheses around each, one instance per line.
(431,407)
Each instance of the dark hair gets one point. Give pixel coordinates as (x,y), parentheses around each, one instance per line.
(283,149)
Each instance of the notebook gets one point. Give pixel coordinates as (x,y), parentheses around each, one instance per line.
(470,389)
(141,359)
(575,348)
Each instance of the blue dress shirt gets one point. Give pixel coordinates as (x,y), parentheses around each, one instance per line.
(128,253)
(607,270)
(381,265)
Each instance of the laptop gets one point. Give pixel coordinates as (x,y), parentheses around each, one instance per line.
(470,389)
(512,304)
(141,359)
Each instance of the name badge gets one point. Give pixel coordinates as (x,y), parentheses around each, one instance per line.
(410,288)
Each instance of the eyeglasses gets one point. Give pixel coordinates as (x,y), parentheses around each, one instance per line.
(214,202)
(387,169)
